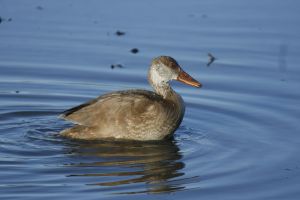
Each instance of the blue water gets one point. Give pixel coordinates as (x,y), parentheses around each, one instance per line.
(240,135)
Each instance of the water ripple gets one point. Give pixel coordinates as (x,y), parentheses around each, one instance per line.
(239,137)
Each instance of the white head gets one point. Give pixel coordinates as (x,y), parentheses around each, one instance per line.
(164,69)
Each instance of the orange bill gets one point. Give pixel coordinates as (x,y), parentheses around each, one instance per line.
(187,79)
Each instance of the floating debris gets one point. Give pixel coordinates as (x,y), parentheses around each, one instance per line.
(3,19)
(17,91)
(39,8)
(211,59)
(134,50)
(116,66)
(120,33)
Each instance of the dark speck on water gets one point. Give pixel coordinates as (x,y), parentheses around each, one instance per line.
(134,50)
(116,66)
(3,20)
(120,33)
(39,8)
(211,59)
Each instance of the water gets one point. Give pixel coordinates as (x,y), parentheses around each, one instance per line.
(240,135)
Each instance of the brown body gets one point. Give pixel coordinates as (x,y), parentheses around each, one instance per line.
(133,114)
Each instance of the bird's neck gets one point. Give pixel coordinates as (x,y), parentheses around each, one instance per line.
(175,102)
(160,84)
(164,89)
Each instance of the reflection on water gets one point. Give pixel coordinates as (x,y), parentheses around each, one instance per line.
(152,163)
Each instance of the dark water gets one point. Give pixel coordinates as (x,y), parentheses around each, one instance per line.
(240,136)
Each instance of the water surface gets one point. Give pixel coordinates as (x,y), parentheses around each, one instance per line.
(240,135)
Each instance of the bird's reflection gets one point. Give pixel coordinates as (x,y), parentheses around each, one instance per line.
(148,166)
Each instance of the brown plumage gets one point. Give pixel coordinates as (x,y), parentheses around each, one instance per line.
(134,114)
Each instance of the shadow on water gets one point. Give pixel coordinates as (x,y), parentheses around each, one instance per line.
(118,164)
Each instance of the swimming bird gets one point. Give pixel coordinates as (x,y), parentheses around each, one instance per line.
(134,114)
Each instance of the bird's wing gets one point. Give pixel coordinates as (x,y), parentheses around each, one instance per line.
(116,107)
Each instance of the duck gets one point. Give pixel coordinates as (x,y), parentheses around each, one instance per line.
(134,114)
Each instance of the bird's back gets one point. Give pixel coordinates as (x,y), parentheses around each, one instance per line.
(130,114)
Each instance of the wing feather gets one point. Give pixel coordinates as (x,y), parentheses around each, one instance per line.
(115,107)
